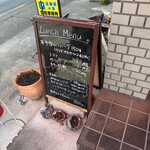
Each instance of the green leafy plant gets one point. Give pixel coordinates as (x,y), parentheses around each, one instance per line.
(104,2)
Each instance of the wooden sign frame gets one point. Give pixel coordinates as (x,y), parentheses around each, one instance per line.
(96,40)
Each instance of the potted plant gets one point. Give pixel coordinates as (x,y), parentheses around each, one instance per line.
(104,2)
(29,83)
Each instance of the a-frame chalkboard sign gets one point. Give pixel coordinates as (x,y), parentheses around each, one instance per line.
(67,51)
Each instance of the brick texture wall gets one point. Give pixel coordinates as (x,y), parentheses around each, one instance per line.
(128,57)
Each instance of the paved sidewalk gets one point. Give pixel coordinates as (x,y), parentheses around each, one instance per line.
(45,134)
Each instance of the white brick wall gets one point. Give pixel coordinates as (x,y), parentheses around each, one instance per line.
(146,70)
(128,80)
(106,86)
(141,33)
(142,0)
(125,30)
(125,91)
(144,9)
(137,52)
(109,81)
(147,22)
(132,41)
(138,76)
(137,21)
(145,91)
(139,95)
(114,29)
(120,19)
(128,57)
(122,85)
(118,64)
(143,84)
(121,49)
(111,70)
(145,44)
(117,39)
(114,56)
(111,47)
(109,62)
(133,87)
(117,7)
(129,8)
(132,67)
(107,75)
(115,77)
(124,72)
(142,61)
(148,54)
(148,79)
(114,88)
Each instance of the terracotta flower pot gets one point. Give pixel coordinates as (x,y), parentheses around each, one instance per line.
(33,91)
(1,110)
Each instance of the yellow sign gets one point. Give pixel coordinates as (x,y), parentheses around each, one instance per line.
(48,8)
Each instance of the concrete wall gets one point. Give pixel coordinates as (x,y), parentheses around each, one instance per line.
(128,58)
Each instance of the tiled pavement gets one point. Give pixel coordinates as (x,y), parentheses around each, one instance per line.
(116,122)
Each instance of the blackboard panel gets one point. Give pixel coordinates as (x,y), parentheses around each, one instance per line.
(66,52)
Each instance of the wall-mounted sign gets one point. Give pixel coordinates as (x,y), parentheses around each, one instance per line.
(67,51)
(48,8)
